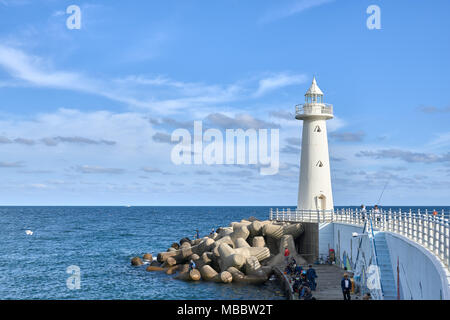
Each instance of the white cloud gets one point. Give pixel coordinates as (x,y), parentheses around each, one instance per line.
(159,94)
(442,140)
(278,81)
(33,70)
(295,8)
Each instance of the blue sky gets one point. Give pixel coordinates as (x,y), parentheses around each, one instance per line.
(85,114)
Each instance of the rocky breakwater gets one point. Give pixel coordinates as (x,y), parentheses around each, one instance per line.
(244,252)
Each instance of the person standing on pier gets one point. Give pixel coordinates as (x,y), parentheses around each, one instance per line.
(311,275)
(377,213)
(346,286)
(363,212)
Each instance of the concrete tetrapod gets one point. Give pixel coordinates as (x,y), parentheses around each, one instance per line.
(253,267)
(136,261)
(260,253)
(170,262)
(228,258)
(147,256)
(241,243)
(239,231)
(155,268)
(186,250)
(255,228)
(227,240)
(240,224)
(224,231)
(209,274)
(286,241)
(258,242)
(239,276)
(185,274)
(277,231)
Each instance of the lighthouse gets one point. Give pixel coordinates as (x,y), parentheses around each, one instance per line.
(314,192)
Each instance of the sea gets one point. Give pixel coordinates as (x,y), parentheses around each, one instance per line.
(101,241)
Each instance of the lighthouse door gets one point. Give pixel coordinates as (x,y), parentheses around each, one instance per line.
(321,202)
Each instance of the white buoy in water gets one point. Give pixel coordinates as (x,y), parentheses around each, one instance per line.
(29,232)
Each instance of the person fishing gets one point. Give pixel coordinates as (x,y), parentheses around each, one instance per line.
(376,210)
(304,291)
(191,265)
(377,213)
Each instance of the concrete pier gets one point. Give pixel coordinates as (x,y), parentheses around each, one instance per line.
(328,283)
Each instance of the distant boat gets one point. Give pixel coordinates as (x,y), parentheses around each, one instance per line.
(128,206)
(28,232)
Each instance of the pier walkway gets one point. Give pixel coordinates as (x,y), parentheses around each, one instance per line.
(328,282)
(423,233)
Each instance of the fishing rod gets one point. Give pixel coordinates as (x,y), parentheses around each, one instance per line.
(379,199)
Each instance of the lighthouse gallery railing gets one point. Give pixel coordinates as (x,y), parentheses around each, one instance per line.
(429,230)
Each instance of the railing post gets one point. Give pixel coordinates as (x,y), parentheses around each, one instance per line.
(426,229)
(407,225)
(447,242)
(271,214)
(441,238)
(420,228)
(386,222)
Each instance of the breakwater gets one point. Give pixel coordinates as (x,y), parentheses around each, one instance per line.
(245,252)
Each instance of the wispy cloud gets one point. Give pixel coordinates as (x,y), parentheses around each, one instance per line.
(408,156)
(288,10)
(241,121)
(348,136)
(97,169)
(283,114)
(16,164)
(162,137)
(269,84)
(36,71)
(433,109)
(54,141)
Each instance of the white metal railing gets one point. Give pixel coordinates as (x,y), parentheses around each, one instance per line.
(431,230)
(320,108)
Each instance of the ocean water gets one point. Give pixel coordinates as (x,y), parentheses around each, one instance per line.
(101,241)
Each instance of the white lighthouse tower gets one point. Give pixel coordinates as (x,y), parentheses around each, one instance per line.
(314,192)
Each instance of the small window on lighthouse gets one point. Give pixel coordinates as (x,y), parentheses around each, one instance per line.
(319,164)
(317,129)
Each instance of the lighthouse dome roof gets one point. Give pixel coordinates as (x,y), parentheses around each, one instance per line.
(314,88)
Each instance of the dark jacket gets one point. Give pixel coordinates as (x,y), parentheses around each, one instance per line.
(343,284)
(311,274)
(296,285)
